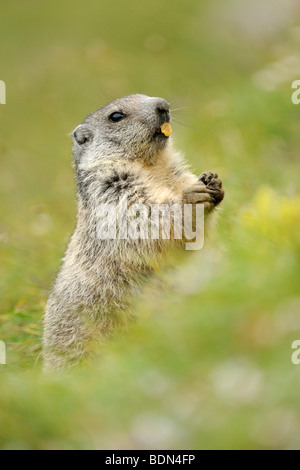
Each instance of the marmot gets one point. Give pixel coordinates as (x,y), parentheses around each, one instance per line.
(119,151)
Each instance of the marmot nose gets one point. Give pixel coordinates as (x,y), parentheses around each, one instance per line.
(163,109)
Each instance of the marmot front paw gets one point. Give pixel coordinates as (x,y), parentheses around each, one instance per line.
(208,191)
(214,185)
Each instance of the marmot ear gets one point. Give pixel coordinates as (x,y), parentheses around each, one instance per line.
(82,134)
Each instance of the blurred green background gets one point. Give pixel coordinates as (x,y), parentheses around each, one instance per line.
(207,364)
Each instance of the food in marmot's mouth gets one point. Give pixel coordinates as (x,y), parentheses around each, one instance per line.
(166,129)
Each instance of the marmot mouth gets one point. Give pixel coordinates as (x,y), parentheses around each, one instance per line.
(159,131)
(164,130)
(159,136)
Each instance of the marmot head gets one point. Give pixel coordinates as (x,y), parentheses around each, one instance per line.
(127,128)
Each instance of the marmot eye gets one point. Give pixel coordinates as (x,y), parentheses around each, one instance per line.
(116,117)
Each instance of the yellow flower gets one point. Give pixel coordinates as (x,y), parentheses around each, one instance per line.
(273,216)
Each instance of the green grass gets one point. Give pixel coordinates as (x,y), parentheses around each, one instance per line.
(207,364)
